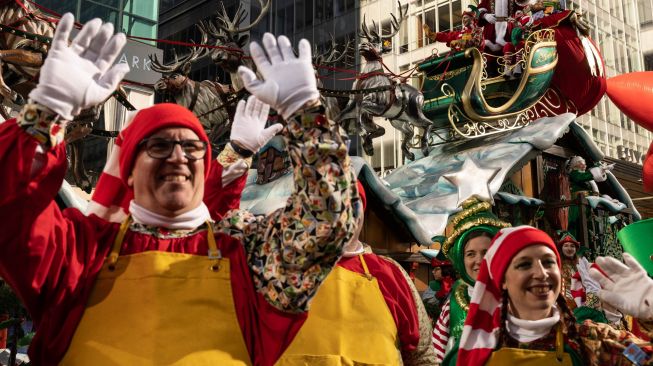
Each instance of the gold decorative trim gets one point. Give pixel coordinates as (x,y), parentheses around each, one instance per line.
(538,39)
(468,225)
(473,210)
(460,296)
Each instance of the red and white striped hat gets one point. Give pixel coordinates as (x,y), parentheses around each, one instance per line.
(481,330)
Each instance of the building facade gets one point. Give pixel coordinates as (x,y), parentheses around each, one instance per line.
(615,28)
(314,20)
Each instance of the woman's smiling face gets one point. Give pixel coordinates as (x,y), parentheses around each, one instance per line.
(532,281)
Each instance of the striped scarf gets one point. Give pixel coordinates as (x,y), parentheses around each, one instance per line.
(481,331)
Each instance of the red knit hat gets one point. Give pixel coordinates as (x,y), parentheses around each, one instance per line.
(361,193)
(150,120)
(479,337)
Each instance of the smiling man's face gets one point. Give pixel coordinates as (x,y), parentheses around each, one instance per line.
(168,186)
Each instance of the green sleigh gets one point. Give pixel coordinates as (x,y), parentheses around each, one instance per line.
(460,98)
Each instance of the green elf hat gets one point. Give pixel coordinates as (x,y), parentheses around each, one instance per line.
(566,237)
(636,240)
(476,216)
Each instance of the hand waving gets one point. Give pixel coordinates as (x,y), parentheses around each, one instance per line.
(289,81)
(629,289)
(248,129)
(80,75)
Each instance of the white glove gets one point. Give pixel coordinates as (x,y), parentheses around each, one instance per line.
(79,76)
(490,18)
(233,172)
(289,80)
(629,289)
(249,122)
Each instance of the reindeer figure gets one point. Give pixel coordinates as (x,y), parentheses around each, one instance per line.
(201,97)
(227,34)
(21,58)
(401,104)
(330,57)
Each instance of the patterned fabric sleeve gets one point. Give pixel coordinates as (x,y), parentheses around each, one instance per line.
(441,332)
(291,250)
(605,344)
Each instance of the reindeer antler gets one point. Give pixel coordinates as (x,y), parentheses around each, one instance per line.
(373,35)
(394,23)
(332,55)
(195,53)
(223,26)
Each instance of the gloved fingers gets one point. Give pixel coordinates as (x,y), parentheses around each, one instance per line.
(304,50)
(633,264)
(272,48)
(247,75)
(61,34)
(110,51)
(611,266)
(250,110)
(259,57)
(86,35)
(263,111)
(232,172)
(613,299)
(240,109)
(95,48)
(286,48)
(271,131)
(112,78)
(597,276)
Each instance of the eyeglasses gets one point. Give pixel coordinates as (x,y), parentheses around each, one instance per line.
(159,148)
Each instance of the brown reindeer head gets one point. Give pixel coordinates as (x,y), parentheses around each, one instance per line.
(175,75)
(374,44)
(228,34)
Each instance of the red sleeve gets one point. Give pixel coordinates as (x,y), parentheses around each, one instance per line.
(397,295)
(47,256)
(218,199)
(446,37)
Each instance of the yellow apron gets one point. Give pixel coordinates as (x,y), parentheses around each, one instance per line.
(349,323)
(159,308)
(527,357)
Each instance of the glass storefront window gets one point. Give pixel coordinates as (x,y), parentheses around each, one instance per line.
(147,9)
(138,27)
(90,10)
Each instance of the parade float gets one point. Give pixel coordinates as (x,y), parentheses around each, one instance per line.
(474,116)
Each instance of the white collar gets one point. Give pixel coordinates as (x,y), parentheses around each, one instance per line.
(187,221)
(353,249)
(530,330)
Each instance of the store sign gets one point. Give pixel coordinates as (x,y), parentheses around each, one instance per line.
(136,55)
(630,155)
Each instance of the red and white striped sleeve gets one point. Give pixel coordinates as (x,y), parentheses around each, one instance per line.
(441,332)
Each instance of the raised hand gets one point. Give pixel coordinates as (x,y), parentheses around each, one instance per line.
(628,288)
(490,18)
(80,75)
(289,81)
(248,129)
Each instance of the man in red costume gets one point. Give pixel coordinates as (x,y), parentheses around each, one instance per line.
(165,287)
(468,36)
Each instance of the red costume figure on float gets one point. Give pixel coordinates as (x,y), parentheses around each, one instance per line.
(469,36)
(493,17)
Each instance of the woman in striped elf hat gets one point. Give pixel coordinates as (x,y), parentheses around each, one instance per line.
(473,229)
(518,315)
